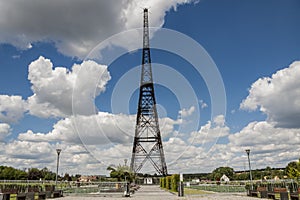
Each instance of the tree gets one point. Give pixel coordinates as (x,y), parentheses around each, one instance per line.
(21,175)
(218,173)
(121,172)
(34,174)
(76,177)
(293,169)
(10,173)
(67,177)
(268,172)
(50,176)
(241,176)
(46,174)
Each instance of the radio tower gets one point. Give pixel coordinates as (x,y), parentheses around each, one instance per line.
(147,144)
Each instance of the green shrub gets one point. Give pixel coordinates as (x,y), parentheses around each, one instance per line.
(174,182)
(163,182)
(168,182)
(160,182)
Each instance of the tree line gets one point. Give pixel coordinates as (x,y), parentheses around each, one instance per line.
(123,172)
(292,171)
(10,173)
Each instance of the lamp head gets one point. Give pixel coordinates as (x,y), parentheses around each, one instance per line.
(248,151)
(58,151)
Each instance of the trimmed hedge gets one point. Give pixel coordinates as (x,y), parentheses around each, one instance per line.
(162,182)
(170,182)
(175,180)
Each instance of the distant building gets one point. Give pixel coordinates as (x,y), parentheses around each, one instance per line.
(148,181)
(196,180)
(89,178)
(224,178)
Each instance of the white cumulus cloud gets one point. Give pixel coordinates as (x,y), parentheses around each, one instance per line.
(75,26)
(270,145)
(12,108)
(277,96)
(187,112)
(27,150)
(102,128)
(4,130)
(99,129)
(107,139)
(54,93)
(210,132)
(261,134)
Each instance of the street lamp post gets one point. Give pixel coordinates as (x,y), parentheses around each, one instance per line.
(58,153)
(248,154)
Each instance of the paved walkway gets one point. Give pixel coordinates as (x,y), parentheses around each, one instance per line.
(155,193)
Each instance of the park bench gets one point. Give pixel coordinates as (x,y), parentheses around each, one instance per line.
(48,194)
(30,196)
(4,196)
(295,195)
(25,196)
(57,193)
(263,193)
(281,192)
(42,195)
(253,193)
(21,196)
(259,192)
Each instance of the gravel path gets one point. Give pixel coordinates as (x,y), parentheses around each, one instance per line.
(155,193)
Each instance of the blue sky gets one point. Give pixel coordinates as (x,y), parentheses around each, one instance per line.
(52,96)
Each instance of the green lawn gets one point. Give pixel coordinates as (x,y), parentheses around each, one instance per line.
(220,188)
(191,191)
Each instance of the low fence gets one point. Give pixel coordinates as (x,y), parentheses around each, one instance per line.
(95,187)
(28,190)
(219,188)
(48,189)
